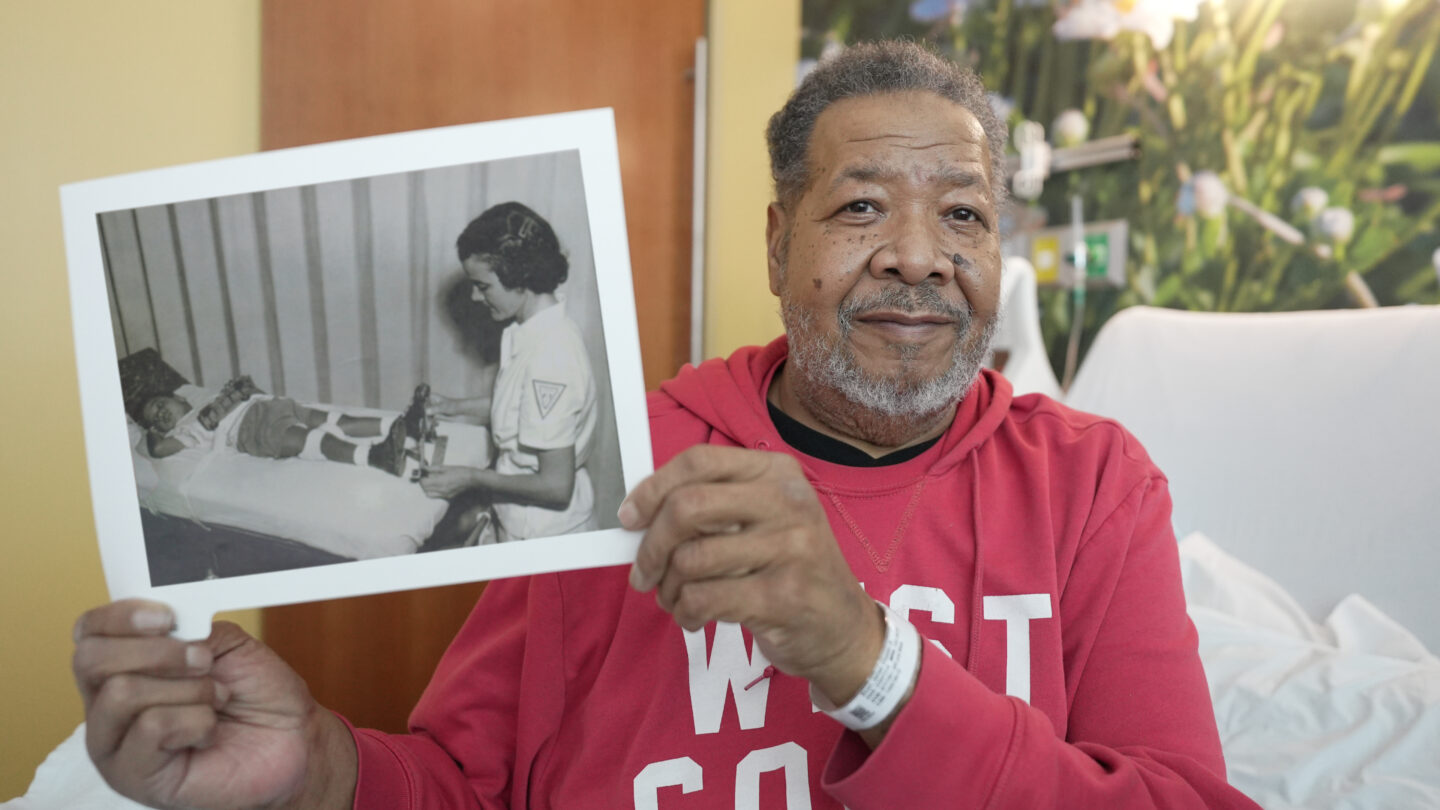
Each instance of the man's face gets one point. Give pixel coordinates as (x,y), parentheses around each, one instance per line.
(485,288)
(888,265)
(162,413)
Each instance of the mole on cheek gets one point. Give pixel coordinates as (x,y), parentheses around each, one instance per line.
(817,282)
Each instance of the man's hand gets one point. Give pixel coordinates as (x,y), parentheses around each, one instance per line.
(738,535)
(220,723)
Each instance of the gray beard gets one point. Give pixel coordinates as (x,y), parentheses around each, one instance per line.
(830,365)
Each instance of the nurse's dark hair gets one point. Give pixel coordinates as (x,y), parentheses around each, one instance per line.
(864,69)
(520,246)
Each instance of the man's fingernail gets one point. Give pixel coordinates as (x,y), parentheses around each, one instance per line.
(198,657)
(151,619)
(79,630)
(628,514)
(638,580)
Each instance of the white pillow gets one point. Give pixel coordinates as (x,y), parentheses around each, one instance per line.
(1216,581)
(1345,714)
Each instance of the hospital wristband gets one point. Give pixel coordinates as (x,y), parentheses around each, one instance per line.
(891,678)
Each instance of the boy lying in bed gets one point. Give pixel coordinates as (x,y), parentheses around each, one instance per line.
(258,424)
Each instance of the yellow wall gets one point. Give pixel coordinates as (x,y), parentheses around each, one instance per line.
(88,88)
(754,45)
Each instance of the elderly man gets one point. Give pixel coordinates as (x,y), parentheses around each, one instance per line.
(878,581)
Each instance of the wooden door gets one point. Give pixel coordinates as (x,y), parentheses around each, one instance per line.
(334,69)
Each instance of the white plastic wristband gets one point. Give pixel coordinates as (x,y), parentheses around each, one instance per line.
(891,678)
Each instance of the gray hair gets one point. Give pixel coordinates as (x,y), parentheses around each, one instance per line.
(869,68)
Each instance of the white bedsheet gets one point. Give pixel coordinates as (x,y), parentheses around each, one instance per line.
(1339,714)
(352,511)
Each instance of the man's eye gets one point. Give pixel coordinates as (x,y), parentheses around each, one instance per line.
(965,214)
(859,207)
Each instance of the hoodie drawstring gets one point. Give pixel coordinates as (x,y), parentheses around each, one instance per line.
(768,672)
(972,659)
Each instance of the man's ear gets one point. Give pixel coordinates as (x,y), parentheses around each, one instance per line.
(777,231)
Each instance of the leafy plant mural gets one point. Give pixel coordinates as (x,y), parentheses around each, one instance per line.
(1289,149)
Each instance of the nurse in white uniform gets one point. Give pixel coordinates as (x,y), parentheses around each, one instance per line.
(542,411)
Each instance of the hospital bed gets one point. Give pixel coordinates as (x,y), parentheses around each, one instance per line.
(1303,452)
(293,512)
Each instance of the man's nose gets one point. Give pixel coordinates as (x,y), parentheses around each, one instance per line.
(913,251)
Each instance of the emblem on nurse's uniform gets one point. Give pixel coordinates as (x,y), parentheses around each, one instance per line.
(546,395)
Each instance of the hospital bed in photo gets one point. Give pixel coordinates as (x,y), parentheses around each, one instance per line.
(217,512)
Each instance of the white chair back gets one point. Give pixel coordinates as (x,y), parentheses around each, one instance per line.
(1307,444)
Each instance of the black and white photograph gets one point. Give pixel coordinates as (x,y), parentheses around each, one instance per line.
(369,368)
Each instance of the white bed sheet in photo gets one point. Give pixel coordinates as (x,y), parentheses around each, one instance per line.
(351,511)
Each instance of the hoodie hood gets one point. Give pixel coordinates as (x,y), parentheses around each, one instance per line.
(729,395)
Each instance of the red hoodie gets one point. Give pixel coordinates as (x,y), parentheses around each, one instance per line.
(1031,545)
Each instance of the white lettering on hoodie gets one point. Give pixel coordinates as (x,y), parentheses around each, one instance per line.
(684,772)
(930,600)
(789,756)
(729,669)
(1017,611)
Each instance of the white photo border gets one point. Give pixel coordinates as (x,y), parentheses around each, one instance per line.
(112,475)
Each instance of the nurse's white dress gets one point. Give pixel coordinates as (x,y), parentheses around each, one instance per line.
(544,400)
